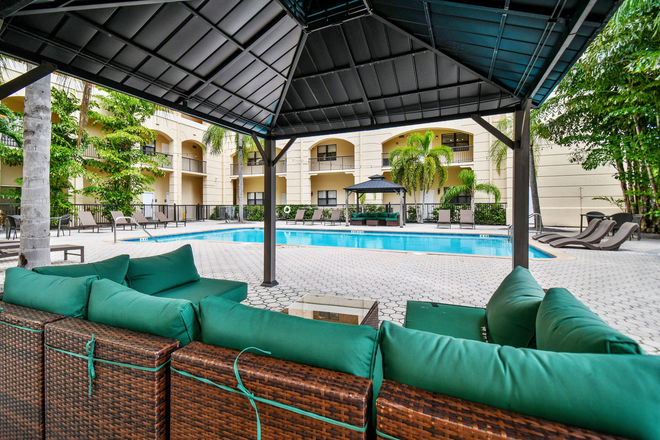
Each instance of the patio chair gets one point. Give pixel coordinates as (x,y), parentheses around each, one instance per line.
(444,218)
(467,218)
(116,221)
(143,221)
(620,218)
(64,222)
(86,219)
(13,224)
(316,217)
(601,231)
(335,217)
(162,218)
(611,244)
(591,215)
(547,237)
(300,217)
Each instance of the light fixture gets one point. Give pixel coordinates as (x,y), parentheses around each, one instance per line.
(436,137)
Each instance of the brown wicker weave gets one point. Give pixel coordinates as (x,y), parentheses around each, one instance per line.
(22,372)
(409,413)
(126,403)
(200,410)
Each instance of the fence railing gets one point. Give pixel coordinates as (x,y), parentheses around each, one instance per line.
(463,154)
(331,163)
(169,158)
(9,142)
(193,165)
(258,168)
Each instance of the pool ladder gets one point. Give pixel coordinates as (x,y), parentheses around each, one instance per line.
(539,225)
(134,220)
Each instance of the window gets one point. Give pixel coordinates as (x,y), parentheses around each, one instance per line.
(255,198)
(455,140)
(149,149)
(327,152)
(327,198)
(254,158)
(463,199)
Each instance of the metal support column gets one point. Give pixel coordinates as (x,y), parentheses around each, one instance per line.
(270,216)
(521,186)
(346,214)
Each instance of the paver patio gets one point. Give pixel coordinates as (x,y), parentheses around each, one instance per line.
(623,287)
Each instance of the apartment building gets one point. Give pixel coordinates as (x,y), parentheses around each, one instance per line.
(316,169)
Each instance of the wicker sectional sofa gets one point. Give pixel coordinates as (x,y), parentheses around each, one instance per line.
(375,219)
(530,365)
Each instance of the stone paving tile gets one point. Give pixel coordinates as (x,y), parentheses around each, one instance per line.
(622,287)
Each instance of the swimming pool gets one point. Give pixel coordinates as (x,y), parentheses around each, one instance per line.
(470,244)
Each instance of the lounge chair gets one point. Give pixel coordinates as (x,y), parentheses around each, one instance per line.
(335,217)
(316,217)
(467,218)
(611,244)
(117,221)
(547,237)
(444,218)
(86,220)
(162,218)
(143,221)
(300,217)
(601,231)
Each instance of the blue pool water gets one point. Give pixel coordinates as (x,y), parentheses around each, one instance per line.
(400,241)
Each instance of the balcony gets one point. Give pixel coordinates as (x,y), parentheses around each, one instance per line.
(9,142)
(257,168)
(169,159)
(333,163)
(462,154)
(193,165)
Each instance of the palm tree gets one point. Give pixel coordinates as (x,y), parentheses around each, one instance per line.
(35,197)
(539,135)
(470,185)
(416,165)
(213,139)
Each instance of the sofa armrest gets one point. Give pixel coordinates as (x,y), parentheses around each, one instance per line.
(409,413)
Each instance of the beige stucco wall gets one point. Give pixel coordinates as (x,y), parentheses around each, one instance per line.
(192,192)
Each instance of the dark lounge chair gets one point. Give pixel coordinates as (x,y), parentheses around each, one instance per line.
(143,221)
(300,217)
(547,237)
(611,244)
(335,217)
(162,218)
(317,216)
(86,219)
(601,231)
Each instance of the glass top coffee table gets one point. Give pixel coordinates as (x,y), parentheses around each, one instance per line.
(335,309)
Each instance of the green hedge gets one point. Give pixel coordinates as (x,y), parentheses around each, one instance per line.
(484,213)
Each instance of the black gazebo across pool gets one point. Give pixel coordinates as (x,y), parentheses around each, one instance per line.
(278,69)
(377,184)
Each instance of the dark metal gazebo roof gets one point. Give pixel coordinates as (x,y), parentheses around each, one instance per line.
(283,68)
(376,184)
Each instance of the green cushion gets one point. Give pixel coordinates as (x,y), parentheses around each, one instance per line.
(340,347)
(617,395)
(511,311)
(565,324)
(63,295)
(113,269)
(162,272)
(447,319)
(198,290)
(113,304)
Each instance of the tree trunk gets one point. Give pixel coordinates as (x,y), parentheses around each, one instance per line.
(35,200)
(240,178)
(422,199)
(534,188)
(624,188)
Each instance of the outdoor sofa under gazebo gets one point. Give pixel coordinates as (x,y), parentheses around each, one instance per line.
(377,184)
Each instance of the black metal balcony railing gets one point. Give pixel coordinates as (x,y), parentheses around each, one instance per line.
(332,163)
(461,155)
(193,165)
(169,157)
(257,168)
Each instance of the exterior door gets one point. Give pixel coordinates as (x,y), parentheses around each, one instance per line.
(148,201)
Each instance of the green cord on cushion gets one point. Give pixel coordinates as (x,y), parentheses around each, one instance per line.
(242,390)
(91,373)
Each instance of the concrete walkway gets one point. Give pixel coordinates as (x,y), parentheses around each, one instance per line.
(622,287)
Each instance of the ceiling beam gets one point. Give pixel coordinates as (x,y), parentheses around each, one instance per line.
(351,61)
(500,32)
(11,7)
(369,100)
(490,6)
(18,83)
(257,39)
(74,5)
(292,71)
(427,13)
(494,131)
(437,51)
(584,9)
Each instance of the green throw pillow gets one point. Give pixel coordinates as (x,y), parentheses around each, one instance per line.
(616,395)
(565,324)
(339,347)
(113,269)
(511,311)
(63,295)
(161,272)
(113,304)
